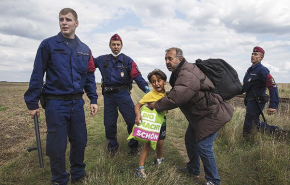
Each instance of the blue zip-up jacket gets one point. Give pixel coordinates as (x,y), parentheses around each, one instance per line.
(115,72)
(67,71)
(257,79)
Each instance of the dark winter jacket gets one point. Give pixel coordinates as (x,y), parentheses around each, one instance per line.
(205,111)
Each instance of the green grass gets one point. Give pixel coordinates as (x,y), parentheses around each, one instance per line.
(261,161)
(284,90)
(2,108)
(264,160)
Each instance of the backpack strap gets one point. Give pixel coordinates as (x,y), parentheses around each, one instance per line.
(125,70)
(105,66)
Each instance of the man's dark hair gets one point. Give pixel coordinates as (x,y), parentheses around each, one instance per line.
(157,72)
(65,11)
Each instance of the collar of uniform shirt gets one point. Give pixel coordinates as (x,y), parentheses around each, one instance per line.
(114,55)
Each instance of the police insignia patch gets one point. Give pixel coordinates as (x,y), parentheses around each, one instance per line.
(272,81)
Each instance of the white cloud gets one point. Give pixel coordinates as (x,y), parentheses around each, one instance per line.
(286,65)
(260,16)
(203,29)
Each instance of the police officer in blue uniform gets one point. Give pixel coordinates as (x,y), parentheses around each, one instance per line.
(69,69)
(256,81)
(118,72)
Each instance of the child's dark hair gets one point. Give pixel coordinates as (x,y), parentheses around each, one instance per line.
(157,72)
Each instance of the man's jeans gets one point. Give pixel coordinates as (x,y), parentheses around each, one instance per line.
(201,150)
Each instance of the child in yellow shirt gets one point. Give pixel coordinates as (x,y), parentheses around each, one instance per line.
(157,78)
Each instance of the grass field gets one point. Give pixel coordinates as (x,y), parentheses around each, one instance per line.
(265,160)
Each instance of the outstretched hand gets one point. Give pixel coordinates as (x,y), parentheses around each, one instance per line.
(94,109)
(138,119)
(271,111)
(151,105)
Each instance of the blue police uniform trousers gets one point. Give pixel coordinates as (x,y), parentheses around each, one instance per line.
(65,119)
(124,101)
(201,150)
(253,119)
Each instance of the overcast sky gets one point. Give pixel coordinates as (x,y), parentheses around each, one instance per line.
(203,29)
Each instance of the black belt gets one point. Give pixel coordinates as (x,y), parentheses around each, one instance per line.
(113,89)
(119,88)
(64,97)
(260,99)
(250,98)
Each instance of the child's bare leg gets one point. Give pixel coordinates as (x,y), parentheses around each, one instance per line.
(159,149)
(144,153)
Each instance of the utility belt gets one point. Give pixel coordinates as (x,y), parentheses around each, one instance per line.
(64,97)
(44,97)
(115,89)
(260,99)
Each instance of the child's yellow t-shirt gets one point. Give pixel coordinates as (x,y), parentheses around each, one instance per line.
(152,96)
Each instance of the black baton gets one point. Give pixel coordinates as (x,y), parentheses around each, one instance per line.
(38,141)
(258,104)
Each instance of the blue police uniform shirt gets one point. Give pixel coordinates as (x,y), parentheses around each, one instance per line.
(71,42)
(66,71)
(115,71)
(257,79)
